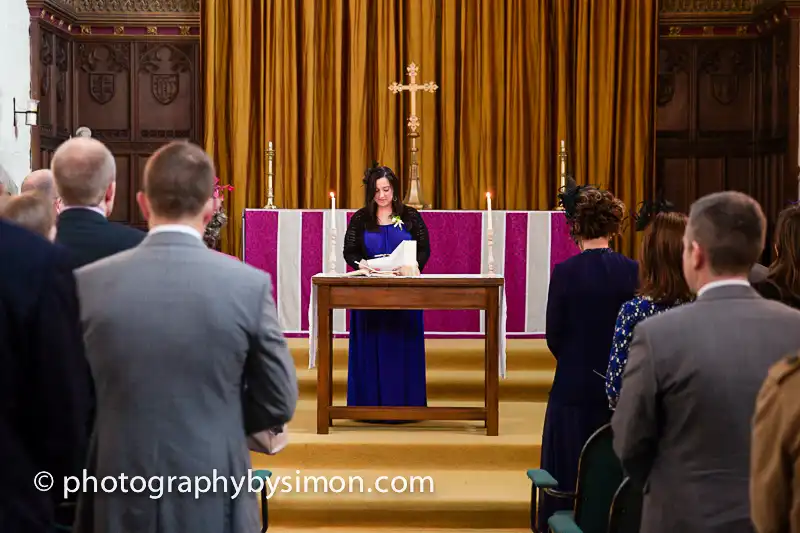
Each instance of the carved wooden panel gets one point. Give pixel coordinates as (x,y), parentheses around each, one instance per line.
(63,82)
(45,82)
(139,164)
(104,88)
(122,203)
(166,90)
(724,87)
(673,88)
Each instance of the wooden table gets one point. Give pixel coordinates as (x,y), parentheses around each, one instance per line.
(425,292)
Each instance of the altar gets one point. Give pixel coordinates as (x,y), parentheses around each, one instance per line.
(294,245)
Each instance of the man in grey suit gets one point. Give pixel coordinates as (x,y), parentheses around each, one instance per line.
(682,424)
(186,351)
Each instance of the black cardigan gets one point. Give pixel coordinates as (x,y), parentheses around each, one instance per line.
(355,251)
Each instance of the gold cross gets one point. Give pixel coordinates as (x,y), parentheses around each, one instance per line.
(413,87)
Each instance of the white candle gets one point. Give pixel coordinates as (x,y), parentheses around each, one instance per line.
(333,211)
(489,208)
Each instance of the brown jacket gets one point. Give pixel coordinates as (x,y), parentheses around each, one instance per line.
(775,455)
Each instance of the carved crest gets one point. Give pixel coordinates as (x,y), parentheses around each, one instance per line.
(101,87)
(165,87)
(665,88)
(724,88)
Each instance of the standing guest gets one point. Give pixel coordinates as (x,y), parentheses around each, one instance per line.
(783,280)
(31,211)
(586,292)
(682,426)
(188,359)
(661,284)
(41,181)
(386,362)
(45,390)
(775,461)
(86,179)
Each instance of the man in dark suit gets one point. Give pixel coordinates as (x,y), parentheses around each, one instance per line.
(45,390)
(85,174)
(682,425)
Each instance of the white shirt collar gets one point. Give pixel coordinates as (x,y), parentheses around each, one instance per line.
(722,283)
(176,228)
(88,207)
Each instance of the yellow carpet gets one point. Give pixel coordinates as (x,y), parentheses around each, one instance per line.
(464,480)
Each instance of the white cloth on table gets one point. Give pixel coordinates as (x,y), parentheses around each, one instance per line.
(313,331)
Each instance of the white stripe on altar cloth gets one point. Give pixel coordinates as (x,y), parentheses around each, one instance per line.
(498,249)
(290,239)
(339,315)
(538,267)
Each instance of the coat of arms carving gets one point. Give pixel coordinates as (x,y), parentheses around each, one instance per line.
(165,87)
(101,87)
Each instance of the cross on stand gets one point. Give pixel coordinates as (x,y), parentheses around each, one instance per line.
(414,195)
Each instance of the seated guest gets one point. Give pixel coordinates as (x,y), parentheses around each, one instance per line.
(775,461)
(41,181)
(783,280)
(682,426)
(45,389)
(585,294)
(386,361)
(31,211)
(85,175)
(661,284)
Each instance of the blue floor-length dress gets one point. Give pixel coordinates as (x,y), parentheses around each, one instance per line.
(386,361)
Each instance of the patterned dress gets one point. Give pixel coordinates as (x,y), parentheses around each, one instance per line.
(631,313)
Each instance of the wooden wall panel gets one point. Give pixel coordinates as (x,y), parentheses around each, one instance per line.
(125,201)
(103,89)
(167,90)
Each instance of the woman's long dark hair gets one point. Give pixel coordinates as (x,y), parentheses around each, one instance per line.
(371,177)
(785,269)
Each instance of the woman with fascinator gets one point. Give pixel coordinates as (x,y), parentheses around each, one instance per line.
(386,360)
(661,283)
(585,294)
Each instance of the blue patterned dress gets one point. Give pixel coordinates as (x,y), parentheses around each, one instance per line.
(631,313)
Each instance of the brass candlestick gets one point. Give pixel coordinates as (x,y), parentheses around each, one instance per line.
(562,155)
(269,155)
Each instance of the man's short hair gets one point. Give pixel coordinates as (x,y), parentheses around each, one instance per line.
(31,210)
(178,180)
(83,169)
(40,181)
(731,228)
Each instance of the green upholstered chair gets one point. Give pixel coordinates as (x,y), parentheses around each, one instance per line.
(265,475)
(599,477)
(626,509)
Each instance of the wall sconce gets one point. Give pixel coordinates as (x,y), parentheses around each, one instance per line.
(31,114)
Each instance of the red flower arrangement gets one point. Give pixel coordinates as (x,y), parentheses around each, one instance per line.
(219,188)
(219,218)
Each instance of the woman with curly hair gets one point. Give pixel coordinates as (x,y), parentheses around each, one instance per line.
(662,285)
(585,294)
(783,280)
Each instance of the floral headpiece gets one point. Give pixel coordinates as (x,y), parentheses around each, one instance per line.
(568,197)
(219,188)
(649,209)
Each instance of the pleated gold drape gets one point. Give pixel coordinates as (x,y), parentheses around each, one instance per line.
(514,77)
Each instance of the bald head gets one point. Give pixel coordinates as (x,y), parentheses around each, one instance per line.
(84,171)
(41,182)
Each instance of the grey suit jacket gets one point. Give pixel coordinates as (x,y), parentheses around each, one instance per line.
(682,425)
(174,333)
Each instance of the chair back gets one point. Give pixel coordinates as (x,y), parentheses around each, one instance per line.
(599,477)
(626,509)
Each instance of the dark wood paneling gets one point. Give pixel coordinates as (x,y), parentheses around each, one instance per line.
(134,94)
(723,118)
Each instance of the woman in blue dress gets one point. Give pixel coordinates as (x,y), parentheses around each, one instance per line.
(585,294)
(661,284)
(386,360)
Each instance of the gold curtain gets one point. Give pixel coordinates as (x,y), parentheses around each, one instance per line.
(313,75)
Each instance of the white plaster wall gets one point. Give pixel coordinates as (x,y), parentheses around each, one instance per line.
(15,66)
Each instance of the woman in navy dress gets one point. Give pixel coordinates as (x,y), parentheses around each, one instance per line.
(386,360)
(661,285)
(585,294)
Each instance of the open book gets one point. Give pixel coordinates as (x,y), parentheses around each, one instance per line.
(405,255)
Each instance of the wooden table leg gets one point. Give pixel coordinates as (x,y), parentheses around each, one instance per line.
(324,359)
(492,363)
